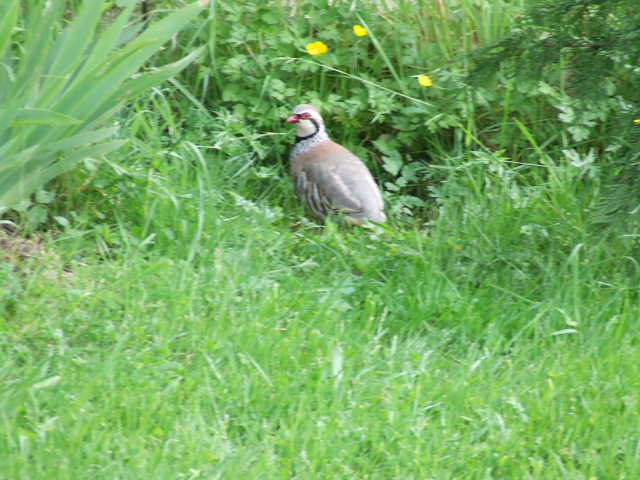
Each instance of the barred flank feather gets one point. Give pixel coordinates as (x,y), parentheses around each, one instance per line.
(316,200)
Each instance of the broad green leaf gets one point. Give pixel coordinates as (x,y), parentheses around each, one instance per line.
(155,77)
(6,148)
(104,81)
(107,42)
(62,221)
(36,215)
(22,181)
(12,163)
(41,116)
(68,86)
(64,164)
(71,47)
(13,177)
(393,163)
(39,23)
(8,19)
(82,139)
(7,115)
(43,196)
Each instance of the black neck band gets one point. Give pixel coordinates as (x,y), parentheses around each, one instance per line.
(315,123)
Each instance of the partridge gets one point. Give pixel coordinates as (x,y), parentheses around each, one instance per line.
(328,178)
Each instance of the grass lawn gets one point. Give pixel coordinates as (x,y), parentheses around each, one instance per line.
(242,342)
(167,311)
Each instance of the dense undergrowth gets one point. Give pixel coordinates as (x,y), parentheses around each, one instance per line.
(176,315)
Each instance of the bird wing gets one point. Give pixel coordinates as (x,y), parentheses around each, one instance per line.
(327,183)
(309,191)
(331,179)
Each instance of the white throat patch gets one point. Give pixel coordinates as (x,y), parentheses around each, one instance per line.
(306,127)
(304,146)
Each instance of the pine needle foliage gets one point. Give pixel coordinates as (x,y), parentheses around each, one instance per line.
(593,43)
(586,52)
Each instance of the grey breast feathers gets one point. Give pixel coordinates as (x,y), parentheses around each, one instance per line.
(331,180)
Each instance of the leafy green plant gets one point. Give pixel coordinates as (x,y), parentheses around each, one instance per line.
(579,58)
(188,323)
(367,86)
(60,87)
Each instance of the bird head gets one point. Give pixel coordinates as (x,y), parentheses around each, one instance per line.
(307,119)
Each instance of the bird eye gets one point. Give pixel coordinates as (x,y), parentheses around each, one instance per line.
(305,116)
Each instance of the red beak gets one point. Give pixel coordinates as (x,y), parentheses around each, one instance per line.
(293,119)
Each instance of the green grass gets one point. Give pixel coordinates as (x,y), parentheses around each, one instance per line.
(182,319)
(235,343)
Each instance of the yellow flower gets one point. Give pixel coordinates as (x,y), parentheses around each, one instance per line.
(317,48)
(425,80)
(360,31)
(637,120)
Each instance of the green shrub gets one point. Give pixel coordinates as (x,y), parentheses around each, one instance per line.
(60,87)
(582,57)
(258,68)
